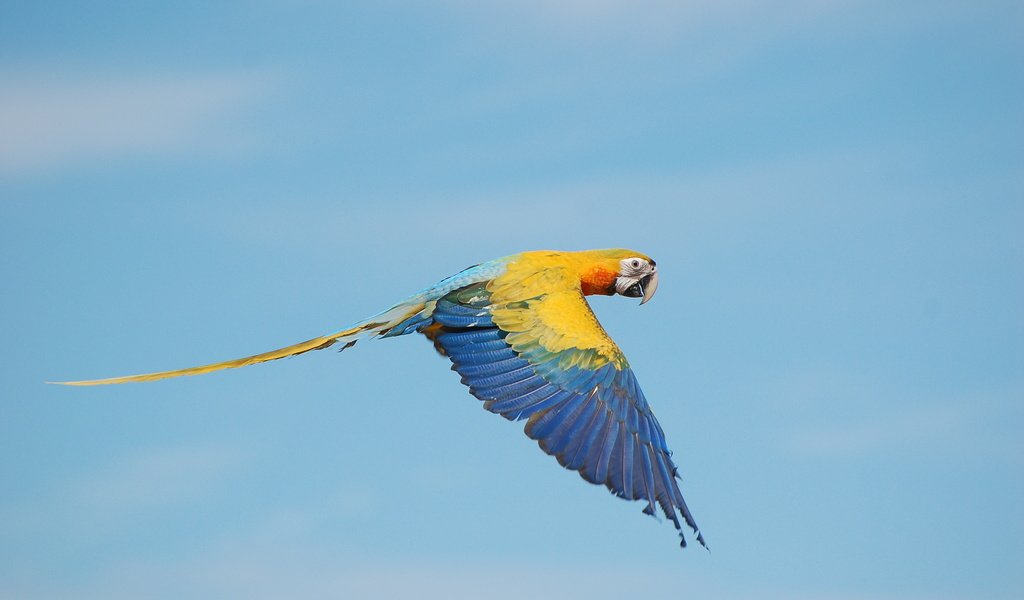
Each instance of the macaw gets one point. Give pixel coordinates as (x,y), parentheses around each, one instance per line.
(524,339)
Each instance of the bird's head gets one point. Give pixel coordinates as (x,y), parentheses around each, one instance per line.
(638,278)
(624,272)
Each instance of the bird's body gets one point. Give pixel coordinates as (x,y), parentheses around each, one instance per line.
(522,336)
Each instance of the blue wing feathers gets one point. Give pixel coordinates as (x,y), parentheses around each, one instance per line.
(544,424)
(639,472)
(413,323)
(511,388)
(666,497)
(657,436)
(575,454)
(461,321)
(576,433)
(528,411)
(650,484)
(483,357)
(642,431)
(567,424)
(502,379)
(618,472)
(583,459)
(594,421)
(619,405)
(628,464)
(479,336)
(489,369)
(502,406)
(632,419)
(601,473)
(447,309)
(528,403)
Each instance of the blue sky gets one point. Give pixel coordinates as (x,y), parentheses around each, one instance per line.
(834,193)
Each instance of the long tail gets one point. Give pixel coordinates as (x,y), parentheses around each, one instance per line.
(395,321)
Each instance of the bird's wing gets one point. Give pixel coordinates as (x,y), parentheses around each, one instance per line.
(547,359)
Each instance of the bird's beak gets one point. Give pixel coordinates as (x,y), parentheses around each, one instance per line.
(648,285)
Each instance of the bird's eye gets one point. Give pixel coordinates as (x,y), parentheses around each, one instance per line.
(635,263)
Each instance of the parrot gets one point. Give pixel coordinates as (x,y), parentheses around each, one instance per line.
(524,339)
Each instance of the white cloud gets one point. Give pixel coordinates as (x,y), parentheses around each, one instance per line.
(156,477)
(478,215)
(886,432)
(133,487)
(650,21)
(296,572)
(271,571)
(965,427)
(51,120)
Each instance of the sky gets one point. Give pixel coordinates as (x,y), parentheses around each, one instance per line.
(833,191)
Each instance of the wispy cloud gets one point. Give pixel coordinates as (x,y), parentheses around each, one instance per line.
(886,432)
(965,426)
(156,477)
(51,120)
(347,221)
(652,17)
(136,486)
(257,571)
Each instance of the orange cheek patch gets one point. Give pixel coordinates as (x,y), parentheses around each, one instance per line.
(598,280)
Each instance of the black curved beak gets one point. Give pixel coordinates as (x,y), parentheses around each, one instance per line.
(635,291)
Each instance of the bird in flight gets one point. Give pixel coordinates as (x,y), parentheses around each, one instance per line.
(519,331)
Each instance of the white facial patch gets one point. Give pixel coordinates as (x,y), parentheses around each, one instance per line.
(633,267)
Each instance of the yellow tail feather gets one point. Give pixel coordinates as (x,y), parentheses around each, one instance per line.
(313,344)
(380,324)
